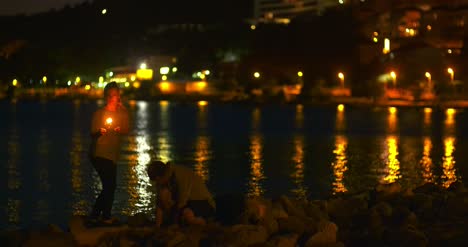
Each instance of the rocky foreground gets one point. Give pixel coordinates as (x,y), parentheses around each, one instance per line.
(386,216)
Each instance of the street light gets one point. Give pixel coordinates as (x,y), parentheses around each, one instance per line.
(429,79)
(341,76)
(451,72)
(393,75)
(257,75)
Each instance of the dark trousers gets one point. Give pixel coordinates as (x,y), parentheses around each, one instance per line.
(107,172)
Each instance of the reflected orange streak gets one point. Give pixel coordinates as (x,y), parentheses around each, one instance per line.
(256,173)
(339,165)
(300,191)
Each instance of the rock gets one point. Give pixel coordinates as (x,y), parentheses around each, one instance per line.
(138,220)
(291,208)
(270,224)
(388,189)
(313,211)
(278,211)
(326,235)
(408,236)
(229,208)
(428,188)
(457,187)
(287,240)
(49,239)
(76,225)
(169,238)
(402,216)
(256,210)
(384,209)
(249,234)
(291,224)
(13,237)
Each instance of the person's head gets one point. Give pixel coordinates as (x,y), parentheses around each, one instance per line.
(159,172)
(112,93)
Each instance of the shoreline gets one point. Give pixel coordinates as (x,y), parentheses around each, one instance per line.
(313,101)
(428,215)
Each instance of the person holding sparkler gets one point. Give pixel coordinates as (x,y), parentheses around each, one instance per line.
(109,123)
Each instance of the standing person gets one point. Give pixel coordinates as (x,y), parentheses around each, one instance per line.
(182,195)
(109,123)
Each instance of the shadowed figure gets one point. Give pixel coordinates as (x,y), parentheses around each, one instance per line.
(182,195)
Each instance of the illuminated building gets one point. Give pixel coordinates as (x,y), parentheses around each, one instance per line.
(282,11)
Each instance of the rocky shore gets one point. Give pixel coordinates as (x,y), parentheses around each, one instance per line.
(385,216)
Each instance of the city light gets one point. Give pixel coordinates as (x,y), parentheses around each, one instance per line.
(428,75)
(340,107)
(427,110)
(201,85)
(104,11)
(341,76)
(451,72)
(393,76)
(174,69)
(101,79)
(202,103)
(386,48)
(450,111)
(164,77)
(257,75)
(300,74)
(165,86)
(44,79)
(253,27)
(15,82)
(77,79)
(164,70)
(143,66)
(392,110)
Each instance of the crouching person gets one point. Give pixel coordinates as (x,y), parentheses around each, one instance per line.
(182,195)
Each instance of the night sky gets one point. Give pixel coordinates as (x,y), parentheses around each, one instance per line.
(13,7)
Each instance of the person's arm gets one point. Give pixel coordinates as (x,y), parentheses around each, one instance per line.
(96,126)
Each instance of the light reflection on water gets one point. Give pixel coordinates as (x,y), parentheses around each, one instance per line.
(255,186)
(79,204)
(14,176)
(449,175)
(424,155)
(339,165)
(202,153)
(299,190)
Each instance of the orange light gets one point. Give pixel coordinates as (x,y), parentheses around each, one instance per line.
(427,110)
(340,107)
(202,103)
(450,111)
(201,85)
(165,86)
(392,110)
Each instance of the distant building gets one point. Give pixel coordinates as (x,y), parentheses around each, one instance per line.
(282,11)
